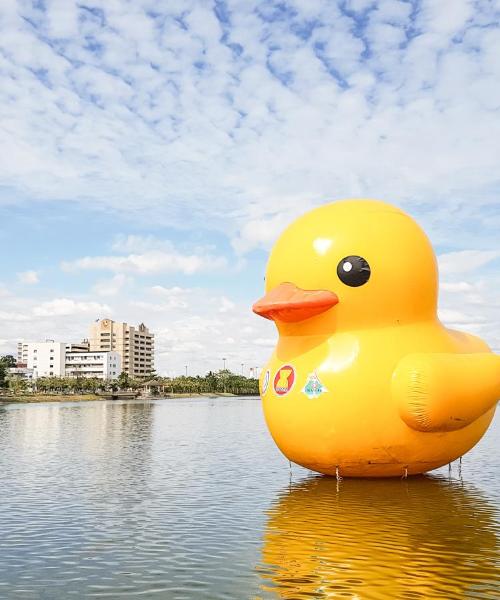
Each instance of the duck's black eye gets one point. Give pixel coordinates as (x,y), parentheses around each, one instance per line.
(353,271)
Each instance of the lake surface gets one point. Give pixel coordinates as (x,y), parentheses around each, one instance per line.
(190,499)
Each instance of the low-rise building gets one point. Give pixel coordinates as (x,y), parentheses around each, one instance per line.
(20,373)
(102,365)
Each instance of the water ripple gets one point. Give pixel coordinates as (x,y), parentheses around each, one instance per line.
(190,500)
(426,537)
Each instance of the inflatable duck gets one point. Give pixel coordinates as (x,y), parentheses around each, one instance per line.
(365,381)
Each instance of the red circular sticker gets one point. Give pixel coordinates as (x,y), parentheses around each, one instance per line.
(284,380)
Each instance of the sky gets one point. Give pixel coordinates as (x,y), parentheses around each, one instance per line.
(152,151)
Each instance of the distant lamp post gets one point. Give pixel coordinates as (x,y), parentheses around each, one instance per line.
(242,365)
(186,367)
(224,363)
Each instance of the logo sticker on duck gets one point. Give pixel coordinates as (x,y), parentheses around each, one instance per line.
(265,382)
(313,388)
(284,380)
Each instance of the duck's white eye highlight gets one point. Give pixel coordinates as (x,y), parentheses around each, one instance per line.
(347,266)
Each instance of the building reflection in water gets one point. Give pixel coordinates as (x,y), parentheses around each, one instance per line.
(108,445)
(418,538)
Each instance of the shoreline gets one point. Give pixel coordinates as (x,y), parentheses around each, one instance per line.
(29,398)
(39,398)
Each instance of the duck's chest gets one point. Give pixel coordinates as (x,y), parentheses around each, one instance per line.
(343,366)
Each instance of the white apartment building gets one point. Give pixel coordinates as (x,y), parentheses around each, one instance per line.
(25,348)
(103,365)
(58,359)
(46,359)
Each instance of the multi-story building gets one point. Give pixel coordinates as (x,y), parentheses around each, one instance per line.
(45,358)
(28,348)
(58,359)
(103,365)
(134,344)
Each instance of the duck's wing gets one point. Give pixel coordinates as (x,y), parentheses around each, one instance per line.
(445,392)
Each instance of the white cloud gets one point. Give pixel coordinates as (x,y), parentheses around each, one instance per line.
(470,296)
(28,277)
(139,243)
(159,307)
(456,286)
(65,319)
(260,232)
(226,305)
(267,342)
(453,317)
(13,316)
(188,120)
(448,21)
(61,19)
(169,292)
(463,261)
(154,261)
(111,286)
(67,306)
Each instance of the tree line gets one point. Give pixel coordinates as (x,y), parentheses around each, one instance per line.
(223,381)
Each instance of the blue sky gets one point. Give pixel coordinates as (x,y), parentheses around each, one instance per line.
(153,150)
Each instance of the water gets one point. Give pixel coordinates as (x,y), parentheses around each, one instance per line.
(191,499)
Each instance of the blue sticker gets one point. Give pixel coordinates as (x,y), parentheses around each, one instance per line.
(313,387)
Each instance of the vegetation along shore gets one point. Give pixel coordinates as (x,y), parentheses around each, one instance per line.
(60,389)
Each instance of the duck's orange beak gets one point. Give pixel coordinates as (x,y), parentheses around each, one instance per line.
(289,303)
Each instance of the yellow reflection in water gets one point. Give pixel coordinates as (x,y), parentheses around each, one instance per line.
(417,538)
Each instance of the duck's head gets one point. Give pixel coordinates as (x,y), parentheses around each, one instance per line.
(348,265)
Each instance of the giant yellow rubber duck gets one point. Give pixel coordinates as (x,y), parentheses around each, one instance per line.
(365,381)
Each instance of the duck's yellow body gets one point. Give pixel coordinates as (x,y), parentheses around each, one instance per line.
(365,380)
